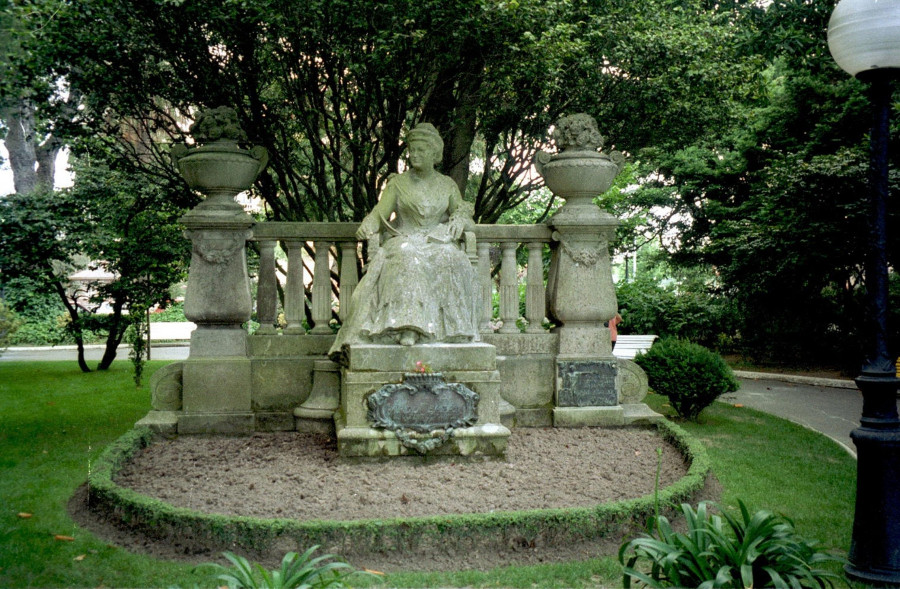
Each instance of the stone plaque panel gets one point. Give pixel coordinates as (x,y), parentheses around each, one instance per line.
(587,384)
(422,403)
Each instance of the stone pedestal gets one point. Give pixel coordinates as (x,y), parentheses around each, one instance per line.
(583,298)
(217,374)
(368,368)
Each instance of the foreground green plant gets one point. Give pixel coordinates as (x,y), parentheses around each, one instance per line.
(761,550)
(296,572)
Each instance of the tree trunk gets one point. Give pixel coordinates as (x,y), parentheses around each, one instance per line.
(452,108)
(114,336)
(76,325)
(33,162)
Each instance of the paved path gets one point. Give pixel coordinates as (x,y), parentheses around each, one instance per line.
(832,407)
(91,353)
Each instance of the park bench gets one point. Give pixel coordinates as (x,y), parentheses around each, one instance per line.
(171,331)
(629,346)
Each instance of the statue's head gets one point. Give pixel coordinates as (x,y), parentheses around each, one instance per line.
(426,133)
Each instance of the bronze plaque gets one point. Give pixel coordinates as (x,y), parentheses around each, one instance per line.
(423,403)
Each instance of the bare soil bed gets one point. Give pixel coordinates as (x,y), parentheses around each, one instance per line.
(300,476)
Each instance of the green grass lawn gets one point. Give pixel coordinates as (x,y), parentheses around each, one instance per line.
(54,421)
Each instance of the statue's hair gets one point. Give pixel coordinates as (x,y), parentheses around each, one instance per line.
(427,132)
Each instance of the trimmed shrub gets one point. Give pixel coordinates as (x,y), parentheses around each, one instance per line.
(691,376)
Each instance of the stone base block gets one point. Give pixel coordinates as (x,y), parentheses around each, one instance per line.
(274,421)
(534,417)
(216,341)
(314,421)
(216,423)
(640,414)
(440,357)
(477,441)
(588,416)
(585,340)
(216,385)
(161,422)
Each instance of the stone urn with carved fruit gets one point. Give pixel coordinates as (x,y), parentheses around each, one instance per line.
(581,292)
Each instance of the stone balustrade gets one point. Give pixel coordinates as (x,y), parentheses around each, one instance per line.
(281,378)
(322,241)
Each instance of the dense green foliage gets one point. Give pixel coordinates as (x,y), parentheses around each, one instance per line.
(691,376)
(689,310)
(9,323)
(328,87)
(106,221)
(727,551)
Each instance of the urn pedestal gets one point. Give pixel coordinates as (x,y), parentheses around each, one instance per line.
(580,288)
(216,377)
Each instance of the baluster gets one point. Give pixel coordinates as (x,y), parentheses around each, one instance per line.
(349,277)
(535,295)
(321,290)
(294,301)
(266,292)
(509,288)
(484,283)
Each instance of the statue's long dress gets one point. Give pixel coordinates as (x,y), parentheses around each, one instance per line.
(420,279)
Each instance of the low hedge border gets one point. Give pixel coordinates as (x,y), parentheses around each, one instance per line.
(162,521)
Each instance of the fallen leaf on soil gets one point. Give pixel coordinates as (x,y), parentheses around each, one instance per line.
(738,405)
(24,515)
(62,538)
(373,572)
(80,557)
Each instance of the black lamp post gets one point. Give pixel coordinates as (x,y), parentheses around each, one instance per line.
(864,39)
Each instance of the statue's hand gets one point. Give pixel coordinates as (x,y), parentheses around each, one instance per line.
(455,227)
(367,228)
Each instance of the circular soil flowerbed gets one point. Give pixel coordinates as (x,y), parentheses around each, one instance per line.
(560,494)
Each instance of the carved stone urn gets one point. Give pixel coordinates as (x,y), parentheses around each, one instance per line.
(578,172)
(218,167)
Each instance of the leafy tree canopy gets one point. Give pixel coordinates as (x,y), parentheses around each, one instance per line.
(328,86)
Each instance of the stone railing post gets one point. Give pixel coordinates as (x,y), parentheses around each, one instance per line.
(267,290)
(321,290)
(509,288)
(535,293)
(294,299)
(349,277)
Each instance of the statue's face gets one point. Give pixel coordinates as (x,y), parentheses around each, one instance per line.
(421,155)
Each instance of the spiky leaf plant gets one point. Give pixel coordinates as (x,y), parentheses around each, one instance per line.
(758,550)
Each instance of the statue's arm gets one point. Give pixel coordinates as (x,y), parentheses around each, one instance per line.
(461,213)
(459,210)
(379,214)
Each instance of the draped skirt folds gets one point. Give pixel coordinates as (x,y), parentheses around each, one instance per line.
(414,284)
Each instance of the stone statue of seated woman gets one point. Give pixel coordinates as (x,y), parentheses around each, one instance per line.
(420,286)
